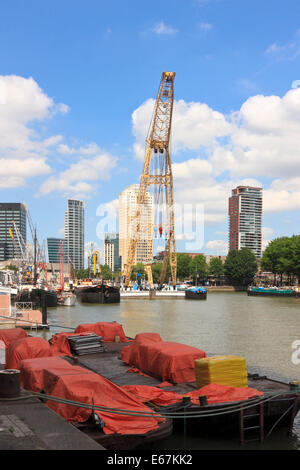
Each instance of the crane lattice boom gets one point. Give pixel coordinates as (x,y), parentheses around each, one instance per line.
(158,141)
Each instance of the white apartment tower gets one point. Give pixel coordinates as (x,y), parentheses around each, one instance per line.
(245,219)
(74,232)
(127,211)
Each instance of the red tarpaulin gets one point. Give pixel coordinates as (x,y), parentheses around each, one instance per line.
(12,334)
(107,330)
(26,348)
(170,361)
(60,344)
(88,386)
(34,372)
(214,393)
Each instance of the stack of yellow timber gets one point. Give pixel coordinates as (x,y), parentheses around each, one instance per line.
(223,370)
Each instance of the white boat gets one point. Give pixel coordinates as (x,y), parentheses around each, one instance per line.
(67,299)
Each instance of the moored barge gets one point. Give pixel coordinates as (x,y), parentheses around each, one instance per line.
(102,294)
(265,403)
(272,292)
(196,293)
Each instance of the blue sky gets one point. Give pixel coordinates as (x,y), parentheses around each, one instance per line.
(76,80)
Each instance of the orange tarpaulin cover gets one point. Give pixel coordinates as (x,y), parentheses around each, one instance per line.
(170,361)
(88,386)
(12,334)
(34,372)
(214,393)
(107,330)
(26,348)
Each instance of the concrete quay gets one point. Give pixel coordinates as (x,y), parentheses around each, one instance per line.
(28,424)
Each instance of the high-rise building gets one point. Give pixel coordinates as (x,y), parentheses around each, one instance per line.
(127,211)
(74,232)
(54,250)
(111,255)
(9,212)
(245,217)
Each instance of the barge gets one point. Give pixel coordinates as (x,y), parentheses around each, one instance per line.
(35,296)
(109,379)
(196,293)
(102,294)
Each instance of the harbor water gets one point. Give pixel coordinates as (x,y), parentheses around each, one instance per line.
(261,329)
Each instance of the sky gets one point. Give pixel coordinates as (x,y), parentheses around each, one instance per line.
(78,82)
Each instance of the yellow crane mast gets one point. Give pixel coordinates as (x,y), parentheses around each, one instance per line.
(158,142)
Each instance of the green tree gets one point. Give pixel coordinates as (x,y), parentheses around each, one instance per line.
(279,257)
(216,268)
(12,267)
(184,263)
(240,267)
(198,267)
(106,273)
(81,273)
(137,268)
(156,268)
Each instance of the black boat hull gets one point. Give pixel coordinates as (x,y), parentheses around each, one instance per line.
(35,296)
(98,295)
(195,295)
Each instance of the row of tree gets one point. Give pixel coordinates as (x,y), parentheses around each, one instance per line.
(239,269)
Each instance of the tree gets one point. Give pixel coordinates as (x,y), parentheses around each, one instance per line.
(198,267)
(240,267)
(183,266)
(278,257)
(156,268)
(106,272)
(81,273)
(216,268)
(12,267)
(138,268)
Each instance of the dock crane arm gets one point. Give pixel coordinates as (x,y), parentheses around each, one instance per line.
(158,140)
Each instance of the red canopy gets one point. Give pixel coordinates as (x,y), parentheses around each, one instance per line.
(26,348)
(12,334)
(105,329)
(170,361)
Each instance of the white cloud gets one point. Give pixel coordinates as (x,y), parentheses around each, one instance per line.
(218,247)
(206,26)
(267,235)
(74,180)
(195,125)
(89,149)
(22,149)
(162,28)
(261,140)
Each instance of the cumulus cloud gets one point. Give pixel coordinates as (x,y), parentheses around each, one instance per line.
(22,150)
(195,125)
(258,141)
(267,235)
(74,181)
(218,247)
(161,28)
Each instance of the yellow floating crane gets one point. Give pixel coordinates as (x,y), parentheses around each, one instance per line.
(158,171)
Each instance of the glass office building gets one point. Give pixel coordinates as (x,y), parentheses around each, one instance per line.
(9,246)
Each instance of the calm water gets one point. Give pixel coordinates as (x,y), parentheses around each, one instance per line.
(260,329)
